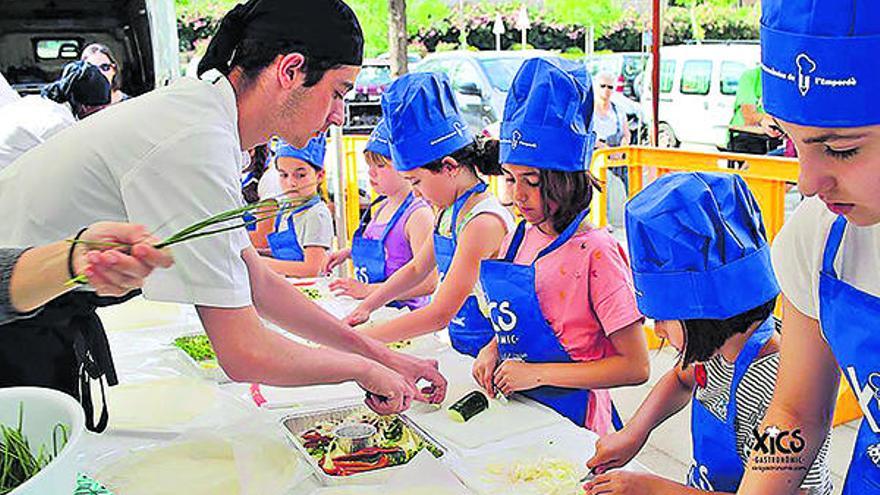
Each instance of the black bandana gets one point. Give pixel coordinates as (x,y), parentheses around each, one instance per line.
(326,29)
(81,83)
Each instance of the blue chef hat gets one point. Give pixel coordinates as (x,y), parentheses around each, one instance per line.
(698,248)
(380,140)
(820,61)
(548,116)
(423,119)
(312,153)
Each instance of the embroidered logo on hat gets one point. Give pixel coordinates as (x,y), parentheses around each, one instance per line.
(457,130)
(807,77)
(516,139)
(806,66)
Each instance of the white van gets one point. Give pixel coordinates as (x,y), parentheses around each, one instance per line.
(698,86)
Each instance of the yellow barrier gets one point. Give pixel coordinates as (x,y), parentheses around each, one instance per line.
(353,146)
(767,177)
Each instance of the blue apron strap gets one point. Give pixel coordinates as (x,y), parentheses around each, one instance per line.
(396,217)
(365,219)
(565,235)
(746,356)
(832,245)
(459,204)
(616,421)
(305,206)
(515,241)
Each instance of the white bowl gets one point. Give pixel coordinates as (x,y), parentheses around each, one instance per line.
(43,409)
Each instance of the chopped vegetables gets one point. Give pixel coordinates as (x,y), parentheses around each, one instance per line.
(546,476)
(17,462)
(395,444)
(399,345)
(311,293)
(468,406)
(197,347)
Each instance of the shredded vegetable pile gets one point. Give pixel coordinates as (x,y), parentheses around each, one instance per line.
(546,476)
(197,347)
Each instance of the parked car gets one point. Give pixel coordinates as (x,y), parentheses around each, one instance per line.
(698,86)
(625,66)
(480,79)
(38,37)
(363,104)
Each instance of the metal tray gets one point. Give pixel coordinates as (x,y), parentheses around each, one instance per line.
(294,424)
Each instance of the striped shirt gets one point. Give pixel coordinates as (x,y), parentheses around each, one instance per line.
(752,401)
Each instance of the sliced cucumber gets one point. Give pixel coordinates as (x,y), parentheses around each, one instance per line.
(468,406)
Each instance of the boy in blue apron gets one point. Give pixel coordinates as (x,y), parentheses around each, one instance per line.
(821,80)
(561,298)
(383,244)
(434,150)
(303,230)
(702,270)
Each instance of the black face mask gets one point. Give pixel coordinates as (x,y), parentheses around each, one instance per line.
(327,30)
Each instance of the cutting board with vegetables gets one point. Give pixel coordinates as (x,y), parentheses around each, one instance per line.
(498,422)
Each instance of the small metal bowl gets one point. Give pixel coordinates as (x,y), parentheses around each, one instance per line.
(352,438)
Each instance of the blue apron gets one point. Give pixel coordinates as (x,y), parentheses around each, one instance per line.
(847,316)
(284,244)
(368,255)
(469,331)
(717,465)
(520,326)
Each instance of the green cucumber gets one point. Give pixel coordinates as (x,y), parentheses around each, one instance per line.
(468,406)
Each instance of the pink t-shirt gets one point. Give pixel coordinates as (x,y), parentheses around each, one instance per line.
(586,293)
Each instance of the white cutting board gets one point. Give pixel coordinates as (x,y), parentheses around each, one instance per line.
(500,421)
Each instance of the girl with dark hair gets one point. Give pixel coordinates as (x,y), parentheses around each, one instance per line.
(433,149)
(303,232)
(101,57)
(701,265)
(561,297)
(385,243)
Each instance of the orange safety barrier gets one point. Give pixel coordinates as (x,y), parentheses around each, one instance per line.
(769,178)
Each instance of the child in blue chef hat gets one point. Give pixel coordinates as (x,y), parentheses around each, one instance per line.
(561,297)
(303,229)
(435,151)
(701,266)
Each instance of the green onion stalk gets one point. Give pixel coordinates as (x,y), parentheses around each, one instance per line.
(17,463)
(260,212)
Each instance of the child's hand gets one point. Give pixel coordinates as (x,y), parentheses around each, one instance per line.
(512,376)
(350,287)
(484,368)
(615,450)
(630,483)
(335,259)
(361,314)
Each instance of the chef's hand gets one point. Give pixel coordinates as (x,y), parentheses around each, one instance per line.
(484,367)
(350,287)
(512,376)
(616,449)
(116,271)
(335,259)
(388,392)
(630,483)
(416,370)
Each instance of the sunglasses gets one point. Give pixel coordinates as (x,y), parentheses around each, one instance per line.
(606,86)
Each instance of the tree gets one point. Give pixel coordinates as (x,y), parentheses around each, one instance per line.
(397,37)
